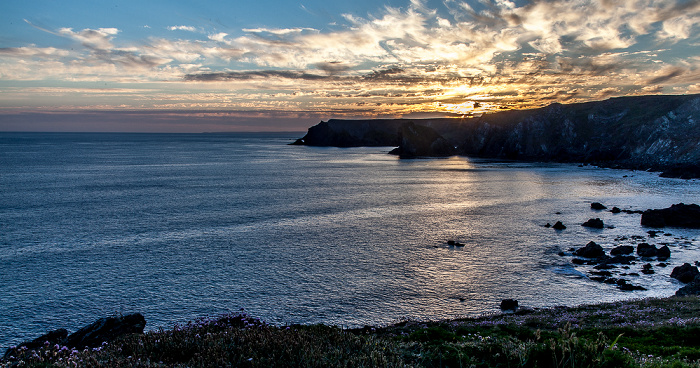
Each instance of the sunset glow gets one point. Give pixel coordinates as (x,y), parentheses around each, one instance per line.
(240,68)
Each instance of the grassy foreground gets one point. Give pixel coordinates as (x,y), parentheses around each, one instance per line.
(642,333)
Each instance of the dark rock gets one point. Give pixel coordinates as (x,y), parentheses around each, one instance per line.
(647,269)
(52,338)
(509,304)
(422,141)
(579,261)
(450,242)
(685,273)
(561,254)
(604,266)
(548,225)
(597,206)
(632,274)
(692,288)
(106,330)
(663,253)
(622,250)
(598,278)
(558,226)
(652,233)
(601,273)
(630,287)
(615,210)
(591,250)
(678,215)
(688,171)
(646,250)
(619,259)
(594,223)
(662,265)
(611,281)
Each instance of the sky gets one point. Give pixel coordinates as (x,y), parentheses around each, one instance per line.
(278,65)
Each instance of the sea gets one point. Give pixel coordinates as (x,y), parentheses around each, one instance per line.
(185,226)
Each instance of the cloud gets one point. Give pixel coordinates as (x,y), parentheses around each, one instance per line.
(506,53)
(665,75)
(182,28)
(100,39)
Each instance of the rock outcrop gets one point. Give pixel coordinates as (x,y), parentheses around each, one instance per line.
(678,215)
(91,336)
(659,133)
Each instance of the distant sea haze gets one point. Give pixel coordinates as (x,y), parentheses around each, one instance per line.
(184,226)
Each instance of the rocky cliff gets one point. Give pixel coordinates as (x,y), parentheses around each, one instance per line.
(659,133)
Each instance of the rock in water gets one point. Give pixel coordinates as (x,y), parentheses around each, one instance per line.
(622,250)
(597,206)
(647,250)
(509,304)
(558,226)
(594,223)
(678,215)
(692,288)
(106,329)
(685,273)
(591,250)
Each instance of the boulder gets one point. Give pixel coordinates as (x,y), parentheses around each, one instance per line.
(558,226)
(622,250)
(663,253)
(616,210)
(591,250)
(678,215)
(646,250)
(692,288)
(52,338)
(594,223)
(647,269)
(509,304)
(685,273)
(105,330)
(597,206)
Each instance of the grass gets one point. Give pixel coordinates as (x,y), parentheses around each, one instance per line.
(641,333)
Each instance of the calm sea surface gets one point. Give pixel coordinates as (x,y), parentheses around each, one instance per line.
(184,226)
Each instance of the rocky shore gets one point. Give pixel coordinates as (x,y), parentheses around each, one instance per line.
(658,133)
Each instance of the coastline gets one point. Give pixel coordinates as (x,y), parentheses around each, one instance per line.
(634,333)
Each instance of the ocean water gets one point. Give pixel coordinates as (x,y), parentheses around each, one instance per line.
(184,226)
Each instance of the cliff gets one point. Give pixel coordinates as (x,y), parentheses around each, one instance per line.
(660,133)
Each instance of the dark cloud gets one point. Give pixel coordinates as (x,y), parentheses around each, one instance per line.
(670,74)
(247,75)
(333,67)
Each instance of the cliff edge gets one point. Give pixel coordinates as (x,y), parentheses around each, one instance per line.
(660,133)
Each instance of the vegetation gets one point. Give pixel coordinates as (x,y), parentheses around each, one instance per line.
(642,333)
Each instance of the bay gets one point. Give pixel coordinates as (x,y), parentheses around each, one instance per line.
(181,226)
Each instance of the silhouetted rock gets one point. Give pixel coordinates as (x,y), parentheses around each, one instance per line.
(685,273)
(597,206)
(663,253)
(105,330)
(558,226)
(678,215)
(622,250)
(591,250)
(509,304)
(647,269)
(420,141)
(692,288)
(615,210)
(51,338)
(638,132)
(646,250)
(594,223)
